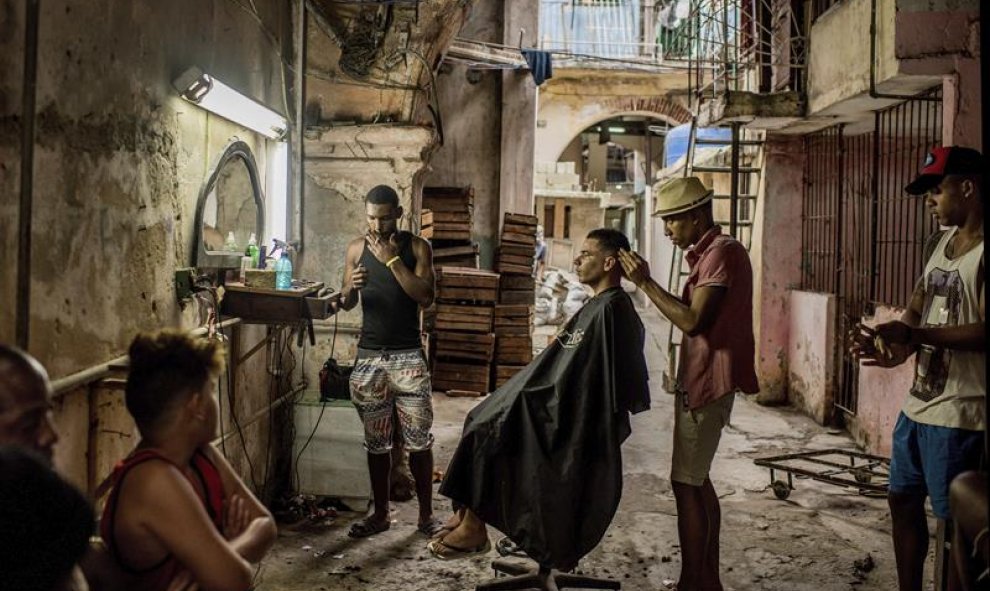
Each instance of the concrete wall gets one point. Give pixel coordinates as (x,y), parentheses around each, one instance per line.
(920,44)
(810,353)
(119,162)
(519,106)
(586,215)
(881,395)
(472,146)
(776,270)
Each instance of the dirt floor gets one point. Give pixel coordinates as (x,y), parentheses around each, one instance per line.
(822,537)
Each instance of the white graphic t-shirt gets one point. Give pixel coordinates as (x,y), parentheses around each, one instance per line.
(950,387)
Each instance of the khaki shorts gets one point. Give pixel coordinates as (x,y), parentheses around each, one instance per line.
(696,437)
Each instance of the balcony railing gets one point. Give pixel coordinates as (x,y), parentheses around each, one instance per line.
(643,31)
(745,45)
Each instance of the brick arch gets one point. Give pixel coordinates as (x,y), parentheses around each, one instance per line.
(655,105)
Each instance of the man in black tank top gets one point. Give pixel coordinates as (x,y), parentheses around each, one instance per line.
(391,273)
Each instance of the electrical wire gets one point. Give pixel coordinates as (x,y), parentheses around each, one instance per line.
(319,418)
(233,416)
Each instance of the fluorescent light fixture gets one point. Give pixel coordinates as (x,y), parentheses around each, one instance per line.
(278,192)
(617,129)
(198,87)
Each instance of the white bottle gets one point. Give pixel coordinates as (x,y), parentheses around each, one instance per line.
(231,244)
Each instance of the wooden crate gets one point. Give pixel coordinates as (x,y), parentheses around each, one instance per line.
(508,228)
(517,238)
(521,219)
(518,250)
(515,350)
(456,317)
(453,375)
(503,373)
(513,320)
(465,345)
(510,269)
(518,282)
(517,296)
(463,284)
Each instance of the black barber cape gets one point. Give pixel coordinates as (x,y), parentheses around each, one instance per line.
(539,458)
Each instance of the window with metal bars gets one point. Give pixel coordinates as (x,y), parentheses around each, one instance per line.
(862,236)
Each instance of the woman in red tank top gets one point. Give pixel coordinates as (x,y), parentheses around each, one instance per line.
(177,511)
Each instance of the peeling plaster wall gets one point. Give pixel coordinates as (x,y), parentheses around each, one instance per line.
(776,269)
(11,72)
(119,162)
(810,354)
(882,393)
(472,111)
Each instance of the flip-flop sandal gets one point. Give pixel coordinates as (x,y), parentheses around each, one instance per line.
(445,551)
(366,527)
(433,528)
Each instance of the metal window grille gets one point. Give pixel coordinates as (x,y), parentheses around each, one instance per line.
(906,133)
(819,226)
(862,236)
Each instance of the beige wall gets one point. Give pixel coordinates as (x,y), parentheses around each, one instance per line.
(119,163)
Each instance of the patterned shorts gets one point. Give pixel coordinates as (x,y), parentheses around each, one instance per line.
(387,382)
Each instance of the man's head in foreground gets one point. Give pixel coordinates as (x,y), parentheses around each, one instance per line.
(25,403)
(46,523)
(597,264)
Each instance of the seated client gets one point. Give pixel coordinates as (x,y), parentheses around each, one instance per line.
(540,458)
(177,510)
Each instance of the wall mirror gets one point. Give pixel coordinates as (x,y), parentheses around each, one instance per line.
(230,208)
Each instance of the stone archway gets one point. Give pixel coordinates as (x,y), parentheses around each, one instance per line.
(561,121)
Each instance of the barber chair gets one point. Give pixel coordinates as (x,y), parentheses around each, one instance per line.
(542,578)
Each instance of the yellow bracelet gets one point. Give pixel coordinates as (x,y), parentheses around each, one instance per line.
(391,262)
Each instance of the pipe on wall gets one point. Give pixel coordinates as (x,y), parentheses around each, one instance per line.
(296,206)
(873,64)
(26,205)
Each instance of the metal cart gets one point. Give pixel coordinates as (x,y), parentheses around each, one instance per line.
(867,473)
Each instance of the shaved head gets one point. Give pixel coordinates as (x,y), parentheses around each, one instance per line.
(25,400)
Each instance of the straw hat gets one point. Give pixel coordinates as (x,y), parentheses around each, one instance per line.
(680,195)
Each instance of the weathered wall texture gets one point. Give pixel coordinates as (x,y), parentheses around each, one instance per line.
(119,162)
(811,352)
(11,71)
(776,268)
(586,215)
(881,395)
(470,103)
(519,107)
(918,43)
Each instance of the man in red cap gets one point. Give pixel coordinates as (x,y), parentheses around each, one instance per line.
(940,431)
(718,350)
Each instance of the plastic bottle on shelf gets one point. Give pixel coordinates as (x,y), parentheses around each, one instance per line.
(252,250)
(283,272)
(231,244)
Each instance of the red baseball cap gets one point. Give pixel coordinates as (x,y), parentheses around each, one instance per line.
(944,161)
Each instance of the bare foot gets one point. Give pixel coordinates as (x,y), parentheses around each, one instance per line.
(466,537)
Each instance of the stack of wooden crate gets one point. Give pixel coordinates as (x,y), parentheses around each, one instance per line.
(465,343)
(517,294)
(513,340)
(448,213)
(516,252)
